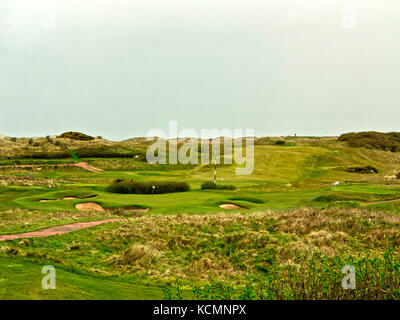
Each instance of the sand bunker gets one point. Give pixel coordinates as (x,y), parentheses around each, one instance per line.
(89,206)
(68,198)
(230,206)
(74,198)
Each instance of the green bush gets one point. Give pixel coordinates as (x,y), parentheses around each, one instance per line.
(45,155)
(316,277)
(212,185)
(152,187)
(104,152)
(398,175)
(280,143)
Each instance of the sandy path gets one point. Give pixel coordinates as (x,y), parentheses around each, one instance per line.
(56,230)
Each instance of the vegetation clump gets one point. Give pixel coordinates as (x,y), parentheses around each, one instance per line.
(76,136)
(103,151)
(211,185)
(366,169)
(152,187)
(373,140)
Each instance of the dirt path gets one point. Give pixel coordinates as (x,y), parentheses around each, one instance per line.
(38,165)
(56,230)
(384,201)
(82,165)
(85,166)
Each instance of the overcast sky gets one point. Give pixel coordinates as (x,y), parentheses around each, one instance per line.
(120,68)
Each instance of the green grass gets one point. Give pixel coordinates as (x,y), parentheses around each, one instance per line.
(20,280)
(186,235)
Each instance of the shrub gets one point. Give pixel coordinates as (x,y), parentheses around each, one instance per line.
(280,143)
(152,187)
(211,185)
(314,277)
(398,175)
(104,152)
(366,169)
(45,155)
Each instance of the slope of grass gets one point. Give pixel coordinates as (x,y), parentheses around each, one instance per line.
(230,248)
(22,280)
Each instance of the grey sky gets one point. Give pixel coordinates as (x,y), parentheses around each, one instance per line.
(120,68)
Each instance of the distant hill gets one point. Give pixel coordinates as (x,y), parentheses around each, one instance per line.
(76,136)
(373,140)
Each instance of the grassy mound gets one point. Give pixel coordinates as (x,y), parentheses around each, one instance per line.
(373,140)
(152,187)
(76,136)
